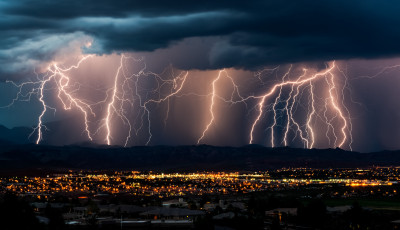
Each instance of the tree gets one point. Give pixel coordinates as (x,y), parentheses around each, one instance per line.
(17,214)
(56,220)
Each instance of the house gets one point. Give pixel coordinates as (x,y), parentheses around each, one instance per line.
(226,215)
(131,210)
(172,214)
(239,205)
(280,211)
(209,206)
(175,203)
(41,206)
(43,220)
(338,209)
(395,224)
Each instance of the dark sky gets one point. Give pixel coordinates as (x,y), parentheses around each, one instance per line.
(204,37)
(238,34)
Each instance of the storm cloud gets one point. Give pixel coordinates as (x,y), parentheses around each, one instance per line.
(239,34)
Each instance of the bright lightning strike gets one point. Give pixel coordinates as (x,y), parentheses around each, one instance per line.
(214,95)
(128,103)
(307,132)
(334,110)
(127,90)
(59,77)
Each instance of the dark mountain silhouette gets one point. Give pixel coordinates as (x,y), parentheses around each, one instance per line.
(53,134)
(184,158)
(18,135)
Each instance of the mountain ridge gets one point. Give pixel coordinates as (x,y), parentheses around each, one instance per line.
(14,157)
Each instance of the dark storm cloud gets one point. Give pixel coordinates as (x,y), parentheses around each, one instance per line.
(245,34)
(63,9)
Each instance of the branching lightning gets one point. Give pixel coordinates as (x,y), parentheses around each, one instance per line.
(334,110)
(58,76)
(306,132)
(126,92)
(290,110)
(215,95)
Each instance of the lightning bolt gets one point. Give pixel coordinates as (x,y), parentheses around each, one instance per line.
(290,102)
(111,108)
(177,88)
(277,100)
(214,96)
(331,104)
(335,109)
(58,76)
(127,90)
(129,103)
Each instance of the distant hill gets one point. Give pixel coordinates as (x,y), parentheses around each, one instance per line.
(183,158)
(18,135)
(54,134)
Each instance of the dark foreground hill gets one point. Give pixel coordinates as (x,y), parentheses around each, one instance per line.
(183,158)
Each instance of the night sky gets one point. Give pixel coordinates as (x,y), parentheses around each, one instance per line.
(198,72)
